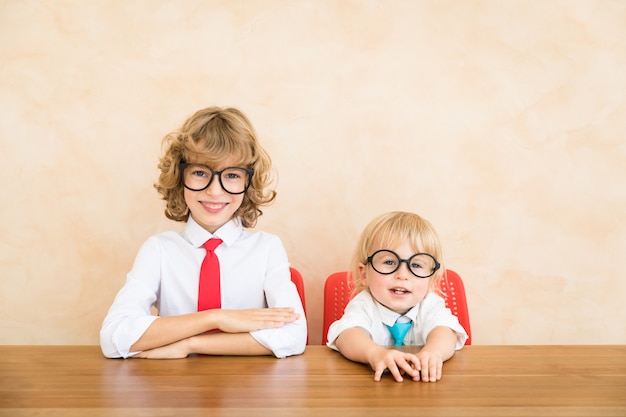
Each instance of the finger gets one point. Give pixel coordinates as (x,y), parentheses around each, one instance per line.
(415,364)
(395,372)
(270,324)
(414,360)
(282,314)
(435,371)
(281,317)
(280,309)
(431,374)
(292,317)
(279,321)
(425,372)
(409,368)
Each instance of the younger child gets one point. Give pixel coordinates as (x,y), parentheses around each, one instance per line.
(214,176)
(395,267)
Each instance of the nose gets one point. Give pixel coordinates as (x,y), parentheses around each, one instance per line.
(403,272)
(214,187)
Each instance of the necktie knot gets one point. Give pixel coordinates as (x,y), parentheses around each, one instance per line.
(212,243)
(398,331)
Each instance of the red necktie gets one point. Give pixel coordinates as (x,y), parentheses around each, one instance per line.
(209,295)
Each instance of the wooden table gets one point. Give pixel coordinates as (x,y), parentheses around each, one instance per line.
(479,381)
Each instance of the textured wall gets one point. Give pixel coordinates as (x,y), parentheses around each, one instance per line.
(502,122)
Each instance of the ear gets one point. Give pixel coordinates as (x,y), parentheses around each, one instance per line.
(363,275)
(434,283)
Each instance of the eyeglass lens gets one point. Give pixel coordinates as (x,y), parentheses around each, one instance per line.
(421,265)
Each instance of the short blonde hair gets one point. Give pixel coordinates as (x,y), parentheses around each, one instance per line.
(214,134)
(390,229)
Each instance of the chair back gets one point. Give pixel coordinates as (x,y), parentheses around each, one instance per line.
(338,292)
(296,278)
(453,291)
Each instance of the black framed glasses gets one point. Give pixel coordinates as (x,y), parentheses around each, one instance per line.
(385,262)
(198,177)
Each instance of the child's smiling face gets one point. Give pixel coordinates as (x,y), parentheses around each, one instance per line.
(400,290)
(213,207)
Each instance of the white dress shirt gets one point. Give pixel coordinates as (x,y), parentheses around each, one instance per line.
(365,312)
(254,273)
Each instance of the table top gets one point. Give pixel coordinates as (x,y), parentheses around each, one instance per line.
(478,381)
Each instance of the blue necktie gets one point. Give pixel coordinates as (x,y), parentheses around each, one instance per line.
(398,332)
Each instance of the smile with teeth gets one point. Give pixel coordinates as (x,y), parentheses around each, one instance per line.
(400,291)
(213,206)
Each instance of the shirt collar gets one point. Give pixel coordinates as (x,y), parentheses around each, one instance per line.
(197,235)
(389,317)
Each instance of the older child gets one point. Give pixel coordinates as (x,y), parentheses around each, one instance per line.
(395,267)
(214,176)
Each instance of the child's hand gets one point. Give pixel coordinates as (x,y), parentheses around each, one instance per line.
(430,364)
(397,362)
(425,366)
(244,321)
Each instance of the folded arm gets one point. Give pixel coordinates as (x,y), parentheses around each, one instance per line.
(185,334)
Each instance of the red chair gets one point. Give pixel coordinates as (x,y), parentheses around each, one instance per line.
(451,285)
(296,278)
(338,291)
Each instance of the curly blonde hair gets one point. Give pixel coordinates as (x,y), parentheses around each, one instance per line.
(214,134)
(390,229)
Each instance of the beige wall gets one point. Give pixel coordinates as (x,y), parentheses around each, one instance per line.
(502,122)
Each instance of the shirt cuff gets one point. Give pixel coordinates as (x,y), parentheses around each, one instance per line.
(129,332)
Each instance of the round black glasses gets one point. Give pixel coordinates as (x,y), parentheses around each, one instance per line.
(198,177)
(385,262)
